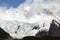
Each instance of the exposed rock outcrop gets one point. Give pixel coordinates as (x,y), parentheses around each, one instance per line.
(53,31)
(3,34)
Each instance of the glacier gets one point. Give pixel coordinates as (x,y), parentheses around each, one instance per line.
(19,22)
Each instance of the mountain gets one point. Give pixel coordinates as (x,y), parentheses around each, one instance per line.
(54,30)
(32,18)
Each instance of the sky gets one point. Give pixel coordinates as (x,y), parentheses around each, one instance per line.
(11,3)
(16,3)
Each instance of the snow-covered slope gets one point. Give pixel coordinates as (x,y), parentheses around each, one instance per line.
(20,21)
(18,29)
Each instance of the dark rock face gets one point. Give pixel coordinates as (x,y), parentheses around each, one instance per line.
(36,27)
(3,34)
(53,31)
(42,33)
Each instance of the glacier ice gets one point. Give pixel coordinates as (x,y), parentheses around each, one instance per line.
(25,29)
